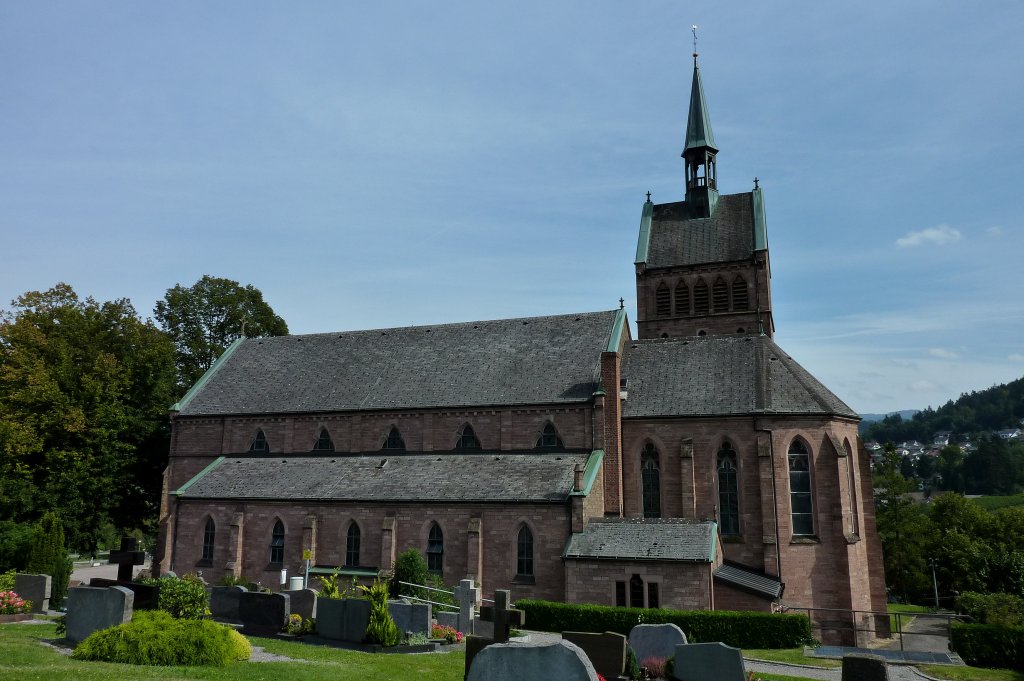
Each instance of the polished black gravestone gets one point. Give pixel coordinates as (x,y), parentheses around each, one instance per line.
(127,558)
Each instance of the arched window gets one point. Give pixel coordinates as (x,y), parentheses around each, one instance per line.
(728,492)
(323,442)
(662,301)
(524,552)
(435,549)
(720,295)
(800,489)
(259,443)
(851,466)
(740,296)
(209,538)
(467,440)
(650,477)
(352,546)
(682,299)
(701,300)
(636,592)
(277,543)
(394,440)
(549,438)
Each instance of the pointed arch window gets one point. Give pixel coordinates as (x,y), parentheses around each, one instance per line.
(740,295)
(701,299)
(549,438)
(650,478)
(524,552)
(277,543)
(800,489)
(636,592)
(352,546)
(720,295)
(394,440)
(323,442)
(259,443)
(728,490)
(467,440)
(851,467)
(435,549)
(662,301)
(682,299)
(209,539)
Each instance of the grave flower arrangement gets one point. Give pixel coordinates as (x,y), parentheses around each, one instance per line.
(13,604)
(449,634)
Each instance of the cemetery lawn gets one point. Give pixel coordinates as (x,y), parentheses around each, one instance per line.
(24,658)
(904,609)
(941,671)
(791,656)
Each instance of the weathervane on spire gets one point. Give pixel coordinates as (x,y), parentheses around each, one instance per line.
(693,28)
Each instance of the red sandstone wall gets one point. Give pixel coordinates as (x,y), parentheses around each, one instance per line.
(682,586)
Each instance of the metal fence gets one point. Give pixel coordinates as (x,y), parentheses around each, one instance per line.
(860,624)
(435,604)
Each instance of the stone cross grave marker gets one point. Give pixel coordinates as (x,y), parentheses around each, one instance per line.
(126,558)
(503,617)
(468,596)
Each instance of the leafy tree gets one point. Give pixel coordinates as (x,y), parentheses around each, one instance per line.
(49,556)
(901,526)
(950,468)
(205,318)
(84,389)
(412,569)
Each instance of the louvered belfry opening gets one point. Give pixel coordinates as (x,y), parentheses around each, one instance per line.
(682,299)
(720,293)
(662,301)
(701,299)
(740,296)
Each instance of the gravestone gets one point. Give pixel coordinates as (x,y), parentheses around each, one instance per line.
(503,617)
(225,602)
(127,558)
(704,661)
(263,613)
(655,640)
(91,609)
(342,619)
(448,619)
(607,651)
(517,661)
(303,602)
(35,588)
(468,596)
(147,596)
(411,617)
(864,668)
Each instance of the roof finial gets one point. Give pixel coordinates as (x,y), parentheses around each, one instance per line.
(622,303)
(648,197)
(755,183)
(694,29)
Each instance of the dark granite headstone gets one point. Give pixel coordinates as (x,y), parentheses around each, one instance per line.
(411,617)
(703,661)
(517,661)
(91,609)
(127,558)
(225,602)
(34,588)
(607,651)
(303,602)
(503,617)
(147,596)
(342,619)
(864,668)
(263,613)
(655,640)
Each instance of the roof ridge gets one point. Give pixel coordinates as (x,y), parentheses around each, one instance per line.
(789,363)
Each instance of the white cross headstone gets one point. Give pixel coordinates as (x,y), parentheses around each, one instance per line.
(468,596)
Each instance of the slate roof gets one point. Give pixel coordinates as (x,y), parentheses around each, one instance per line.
(534,360)
(721,375)
(677,539)
(749,580)
(479,477)
(677,239)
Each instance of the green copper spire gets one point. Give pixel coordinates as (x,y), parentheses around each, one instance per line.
(698,125)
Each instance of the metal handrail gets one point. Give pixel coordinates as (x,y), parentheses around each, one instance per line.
(949,617)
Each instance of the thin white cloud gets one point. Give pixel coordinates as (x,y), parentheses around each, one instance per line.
(923,386)
(942,353)
(1015,357)
(941,235)
(994,231)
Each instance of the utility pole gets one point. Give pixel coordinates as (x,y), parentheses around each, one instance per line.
(935,582)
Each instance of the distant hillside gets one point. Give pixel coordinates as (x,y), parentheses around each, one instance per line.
(982,411)
(905,414)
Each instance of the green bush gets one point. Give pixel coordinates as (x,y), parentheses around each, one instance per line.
(47,555)
(7,581)
(183,597)
(738,629)
(15,540)
(382,628)
(989,645)
(997,608)
(410,567)
(155,638)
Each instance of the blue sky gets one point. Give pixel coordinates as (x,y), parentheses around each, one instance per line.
(383,164)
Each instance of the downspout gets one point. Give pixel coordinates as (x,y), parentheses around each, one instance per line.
(174,538)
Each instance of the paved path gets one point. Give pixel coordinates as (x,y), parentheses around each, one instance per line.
(926,633)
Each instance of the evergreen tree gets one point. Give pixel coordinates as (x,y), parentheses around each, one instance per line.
(48,556)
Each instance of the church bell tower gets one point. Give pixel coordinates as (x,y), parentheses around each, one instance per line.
(700,152)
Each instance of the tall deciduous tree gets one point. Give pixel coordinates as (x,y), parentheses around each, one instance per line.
(203,319)
(84,389)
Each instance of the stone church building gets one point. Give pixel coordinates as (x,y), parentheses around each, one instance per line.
(697,466)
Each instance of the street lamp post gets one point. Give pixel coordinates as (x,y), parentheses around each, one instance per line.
(935,582)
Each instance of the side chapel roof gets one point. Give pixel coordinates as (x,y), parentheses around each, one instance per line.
(721,376)
(533,360)
(676,539)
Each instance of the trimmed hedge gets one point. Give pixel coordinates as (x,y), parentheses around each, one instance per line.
(153,637)
(989,645)
(737,629)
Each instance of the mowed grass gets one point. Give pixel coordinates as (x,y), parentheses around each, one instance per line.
(994,503)
(903,610)
(939,671)
(24,658)
(790,656)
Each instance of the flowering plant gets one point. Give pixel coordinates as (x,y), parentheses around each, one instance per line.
(13,604)
(449,634)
